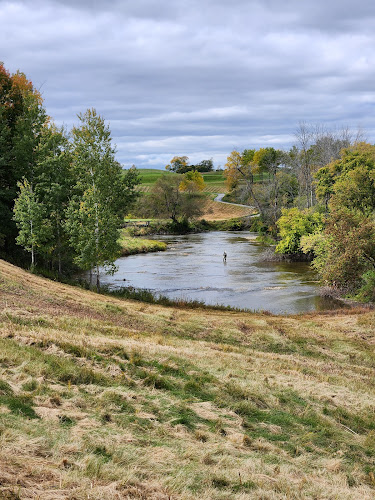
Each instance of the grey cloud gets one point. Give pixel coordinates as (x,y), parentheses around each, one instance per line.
(196,78)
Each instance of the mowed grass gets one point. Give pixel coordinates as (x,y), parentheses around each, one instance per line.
(104,398)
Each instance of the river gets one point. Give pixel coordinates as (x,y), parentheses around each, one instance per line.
(192,268)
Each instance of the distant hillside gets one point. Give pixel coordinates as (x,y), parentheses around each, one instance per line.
(215,181)
(149,176)
(105,399)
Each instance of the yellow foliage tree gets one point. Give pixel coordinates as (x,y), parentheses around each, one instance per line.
(232,169)
(192,181)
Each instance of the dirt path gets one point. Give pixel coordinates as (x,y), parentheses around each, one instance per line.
(219,199)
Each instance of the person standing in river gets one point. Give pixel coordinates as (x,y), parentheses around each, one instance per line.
(224,257)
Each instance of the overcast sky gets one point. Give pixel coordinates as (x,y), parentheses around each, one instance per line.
(197,77)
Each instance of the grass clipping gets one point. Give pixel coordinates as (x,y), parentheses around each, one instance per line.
(104,398)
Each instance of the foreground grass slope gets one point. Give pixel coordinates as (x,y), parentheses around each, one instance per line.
(107,399)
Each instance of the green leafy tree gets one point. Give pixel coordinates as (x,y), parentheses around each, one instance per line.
(349,181)
(347,187)
(204,166)
(53,183)
(268,160)
(348,252)
(102,193)
(293,225)
(94,233)
(167,200)
(30,217)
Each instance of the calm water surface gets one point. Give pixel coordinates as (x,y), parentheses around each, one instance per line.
(192,268)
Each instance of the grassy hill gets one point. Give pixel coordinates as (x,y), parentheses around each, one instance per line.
(105,399)
(215,181)
(149,176)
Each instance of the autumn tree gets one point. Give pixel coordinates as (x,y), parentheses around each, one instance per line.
(233,168)
(178,164)
(22,118)
(192,182)
(239,173)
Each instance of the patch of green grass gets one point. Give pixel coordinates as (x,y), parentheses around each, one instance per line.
(18,320)
(150,175)
(175,379)
(19,405)
(5,388)
(185,416)
(213,177)
(134,245)
(118,400)
(30,386)
(101,451)
(79,351)
(37,362)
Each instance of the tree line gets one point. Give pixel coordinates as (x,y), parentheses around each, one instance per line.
(318,201)
(63,195)
(180,165)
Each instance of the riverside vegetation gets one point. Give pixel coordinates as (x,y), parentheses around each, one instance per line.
(317,201)
(111,398)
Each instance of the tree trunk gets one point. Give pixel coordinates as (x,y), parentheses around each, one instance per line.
(32,246)
(97,279)
(59,249)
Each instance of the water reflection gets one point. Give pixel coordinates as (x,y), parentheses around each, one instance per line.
(193,268)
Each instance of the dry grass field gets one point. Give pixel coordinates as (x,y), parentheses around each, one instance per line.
(102,398)
(223,211)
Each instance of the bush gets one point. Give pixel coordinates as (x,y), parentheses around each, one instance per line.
(367,291)
(293,225)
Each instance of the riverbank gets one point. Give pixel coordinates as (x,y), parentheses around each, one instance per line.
(107,397)
(134,245)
